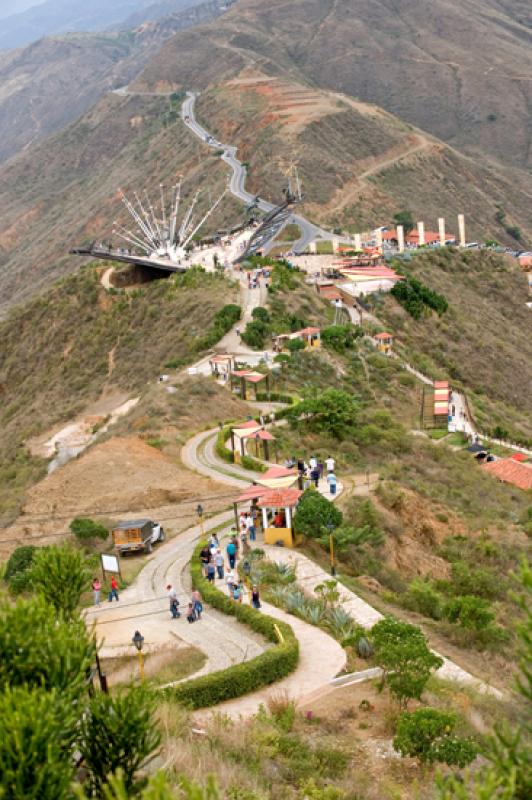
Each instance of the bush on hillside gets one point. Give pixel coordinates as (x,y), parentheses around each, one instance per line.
(423,598)
(295,345)
(85,529)
(469,612)
(261,314)
(314,514)
(18,569)
(341,337)
(333,412)
(426,734)
(415,297)
(255,334)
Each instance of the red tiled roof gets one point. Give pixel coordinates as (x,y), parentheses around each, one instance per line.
(521,457)
(264,436)
(308,331)
(280,498)
(278,472)
(252,493)
(241,373)
(249,424)
(441,384)
(383,336)
(511,471)
(389,235)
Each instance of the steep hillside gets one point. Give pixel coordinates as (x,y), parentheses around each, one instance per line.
(358,164)
(46,85)
(481,342)
(65,191)
(460,72)
(64,349)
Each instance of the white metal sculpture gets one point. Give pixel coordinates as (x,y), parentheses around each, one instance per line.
(155,230)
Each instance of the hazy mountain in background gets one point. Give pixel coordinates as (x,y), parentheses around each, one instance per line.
(54,17)
(9,7)
(49,83)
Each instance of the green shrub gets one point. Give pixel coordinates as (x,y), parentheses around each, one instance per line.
(415,297)
(18,569)
(469,612)
(426,734)
(254,335)
(295,345)
(314,514)
(423,598)
(85,529)
(481,582)
(340,337)
(333,412)
(261,314)
(221,450)
(248,462)
(272,665)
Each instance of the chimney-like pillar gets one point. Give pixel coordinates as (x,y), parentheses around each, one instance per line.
(421,233)
(461,230)
(401,238)
(441,229)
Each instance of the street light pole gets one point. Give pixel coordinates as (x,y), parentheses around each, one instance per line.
(330,527)
(138,641)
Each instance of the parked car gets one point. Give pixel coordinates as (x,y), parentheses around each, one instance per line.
(137,534)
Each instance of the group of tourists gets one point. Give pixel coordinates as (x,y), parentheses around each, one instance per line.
(195,606)
(314,471)
(213,562)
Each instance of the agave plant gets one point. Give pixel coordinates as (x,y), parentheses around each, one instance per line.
(278,595)
(312,612)
(340,623)
(294,601)
(285,574)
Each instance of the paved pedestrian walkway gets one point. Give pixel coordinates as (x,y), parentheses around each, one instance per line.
(144,606)
(309,575)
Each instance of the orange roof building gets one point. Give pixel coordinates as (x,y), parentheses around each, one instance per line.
(511,471)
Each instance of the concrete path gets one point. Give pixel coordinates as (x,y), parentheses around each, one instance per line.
(144,606)
(309,575)
(310,679)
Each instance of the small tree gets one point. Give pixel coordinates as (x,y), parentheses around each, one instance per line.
(340,337)
(60,574)
(402,652)
(426,734)
(254,334)
(294,345)
(39,650)
(118,732)
(85,529)
(328,592)
(37,732)
(333,412)
(346,538)
(18,569)
(405,219)
(315,514)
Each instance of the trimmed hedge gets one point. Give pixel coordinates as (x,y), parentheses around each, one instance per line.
(275,397)
(276,663)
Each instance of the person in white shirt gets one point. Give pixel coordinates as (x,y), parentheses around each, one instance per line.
(313,463)
(250,525)
(329,463)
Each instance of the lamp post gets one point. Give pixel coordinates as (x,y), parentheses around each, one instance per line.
(330,528)
(138,641)
(199,512)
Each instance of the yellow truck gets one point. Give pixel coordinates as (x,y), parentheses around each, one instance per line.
(137,534)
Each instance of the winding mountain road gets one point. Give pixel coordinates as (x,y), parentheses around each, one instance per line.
(309,231)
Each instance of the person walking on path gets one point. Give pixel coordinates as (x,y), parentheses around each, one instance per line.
(250,525)
(114,590)
(205,557)
(315,476)
(329,463)
(237,593)
(211,572)
(331,480)
(174,602)
(231,554)
(196,603)
(96,588)
(229,580)
(313,462)
(255,597)
(219,563)
(191,617)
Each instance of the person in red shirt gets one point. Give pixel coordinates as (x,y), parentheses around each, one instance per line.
(114,590)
